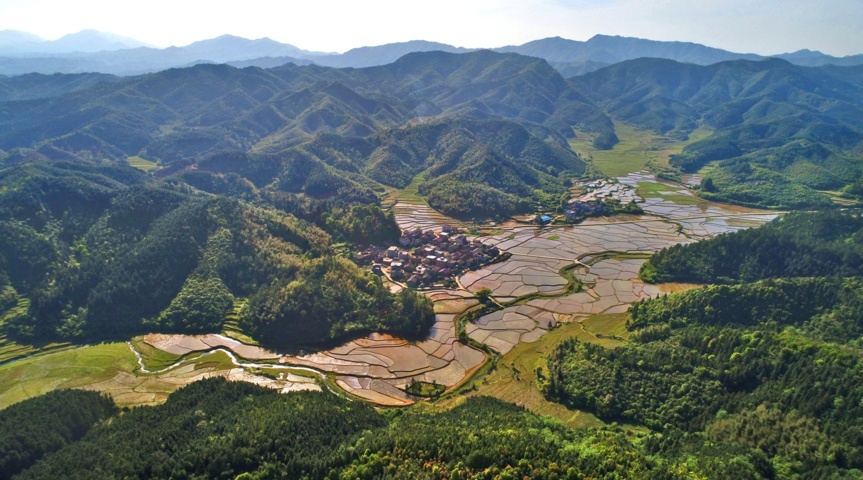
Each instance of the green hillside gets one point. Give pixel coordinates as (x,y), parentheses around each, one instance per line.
(219,429)
(782,134)
(103,251)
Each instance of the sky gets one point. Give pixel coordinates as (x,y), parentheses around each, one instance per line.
(745,26)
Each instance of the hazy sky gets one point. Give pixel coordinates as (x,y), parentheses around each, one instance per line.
(758,26)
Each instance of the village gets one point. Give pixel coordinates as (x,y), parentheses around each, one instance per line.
(424,259)
(595,201)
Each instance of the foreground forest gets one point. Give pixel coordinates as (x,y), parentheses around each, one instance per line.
(218,429)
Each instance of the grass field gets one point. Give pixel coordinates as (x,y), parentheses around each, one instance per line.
(514,378)
(142,164)
(636,149)
(153,358)
(78,367)
(409,194)
(667,192)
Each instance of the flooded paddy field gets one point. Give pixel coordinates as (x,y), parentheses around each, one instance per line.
(555,276)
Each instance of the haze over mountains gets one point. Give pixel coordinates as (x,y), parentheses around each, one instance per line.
(92,51)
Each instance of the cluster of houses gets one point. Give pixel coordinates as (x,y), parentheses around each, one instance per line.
(577,210)
(425,258)
(601,190)
(592,203)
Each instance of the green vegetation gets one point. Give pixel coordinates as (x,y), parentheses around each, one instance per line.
(779,135)
(768,371)
(638,149)
(67,368)
(218,429)
(326,133)
(201,304)
(154,359)
(330,299)
(750,184)
(795,245)
(518,376)
(163,257)
(363,225)
(667,192)
(46,424)
(768,368)
(425,389)
(142,164)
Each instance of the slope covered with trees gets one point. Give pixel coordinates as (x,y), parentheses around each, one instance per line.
(772,362)
(781,133)
(772,365)
(104,251)
(794,245)
(45,424)
(497,120)
(217,429)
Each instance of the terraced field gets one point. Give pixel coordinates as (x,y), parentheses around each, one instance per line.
(558,281)
(517,376)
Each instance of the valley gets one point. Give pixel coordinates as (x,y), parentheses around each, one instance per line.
(603,255)
(439,264)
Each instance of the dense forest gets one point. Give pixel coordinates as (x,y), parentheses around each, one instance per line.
(218,429)
(103,251)
(794,245)
(497,121)
(773,365)
(329,299)
(31,429)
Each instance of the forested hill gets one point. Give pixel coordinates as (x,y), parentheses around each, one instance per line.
(821,244)
(102,250)
(780,132)
(33,86)
(217,429)
(489,127)
(211,107)
(772,363)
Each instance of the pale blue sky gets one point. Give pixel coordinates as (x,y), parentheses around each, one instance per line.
(759,26)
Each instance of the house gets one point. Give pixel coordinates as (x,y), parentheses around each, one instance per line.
(363,258)
(393,251)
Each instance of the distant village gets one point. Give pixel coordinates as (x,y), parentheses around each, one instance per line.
(426,258)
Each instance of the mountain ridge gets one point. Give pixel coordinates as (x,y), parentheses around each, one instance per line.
(570,57)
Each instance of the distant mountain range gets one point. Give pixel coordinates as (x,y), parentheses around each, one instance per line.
(92,51)
(779,134)
(16,43)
